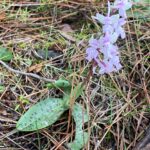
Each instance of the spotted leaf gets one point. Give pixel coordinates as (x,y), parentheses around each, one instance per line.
(41,115)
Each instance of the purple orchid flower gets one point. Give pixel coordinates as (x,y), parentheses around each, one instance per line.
(92,51)
(104,51)
(110,51)
(119,29)
(116,62)
(107,21)
(94,43)
(106,67)
(107,45)
(108,39)
(122,6)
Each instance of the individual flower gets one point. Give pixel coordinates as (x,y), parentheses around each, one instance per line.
(107,21)
(107,45)
(116,62)
(106,67)
(91,53)
(110,51)
(92,50)
(108,39)
(94,43)
(122,6)
(118,27)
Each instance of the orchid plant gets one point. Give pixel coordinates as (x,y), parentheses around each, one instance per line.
(112,27)
(48,111)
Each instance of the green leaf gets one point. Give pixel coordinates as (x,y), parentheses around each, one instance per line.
(41,115)
(80,141)
(81,137)
(62,83)
(5,54)
(59,84)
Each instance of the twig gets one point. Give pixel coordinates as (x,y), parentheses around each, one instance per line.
(26,74)
(26,4)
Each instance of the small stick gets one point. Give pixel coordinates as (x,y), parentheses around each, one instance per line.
(26,4)
(26,74)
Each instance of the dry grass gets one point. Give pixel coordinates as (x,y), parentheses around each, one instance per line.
(118,103)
